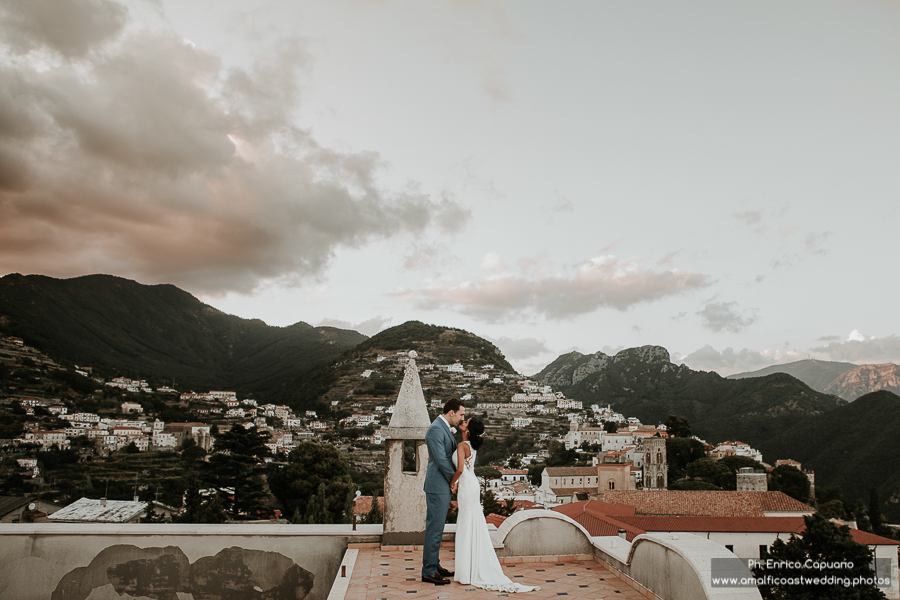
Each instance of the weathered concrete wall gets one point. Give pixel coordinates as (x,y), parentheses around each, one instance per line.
(404,495)
(542,533)
(672,566)
(404,492)
(169,562)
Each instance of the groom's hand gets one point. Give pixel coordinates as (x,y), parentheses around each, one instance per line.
(454,487)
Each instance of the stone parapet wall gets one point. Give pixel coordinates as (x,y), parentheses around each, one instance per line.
(110,562)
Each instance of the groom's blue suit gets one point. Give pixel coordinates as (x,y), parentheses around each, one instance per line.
(441,446)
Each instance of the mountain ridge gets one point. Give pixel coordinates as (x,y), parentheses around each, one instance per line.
(123,327)
(850,447)
(846,380)
(644,383)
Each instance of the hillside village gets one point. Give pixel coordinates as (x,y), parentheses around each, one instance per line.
(607,471)
(618,451)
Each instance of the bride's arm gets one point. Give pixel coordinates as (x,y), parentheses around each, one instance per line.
(460,462)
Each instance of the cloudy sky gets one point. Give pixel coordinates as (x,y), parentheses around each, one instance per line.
(718,178)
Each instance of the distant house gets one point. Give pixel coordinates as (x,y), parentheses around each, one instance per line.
(745,536)
(513,475)
(88,510)
(566,484)
(363,504)
(12,507)
(707,503)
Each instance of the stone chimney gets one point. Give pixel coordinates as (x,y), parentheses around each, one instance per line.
(404,491)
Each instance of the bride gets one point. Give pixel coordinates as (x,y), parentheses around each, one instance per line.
(476,561)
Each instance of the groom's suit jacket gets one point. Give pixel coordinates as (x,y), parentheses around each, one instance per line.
(441,446)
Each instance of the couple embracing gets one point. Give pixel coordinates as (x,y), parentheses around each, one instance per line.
(451,470)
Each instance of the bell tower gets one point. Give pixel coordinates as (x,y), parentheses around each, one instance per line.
(404,491)
(656,469)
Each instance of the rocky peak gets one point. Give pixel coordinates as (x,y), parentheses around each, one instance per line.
(864,379)
(647,354)
(595,362)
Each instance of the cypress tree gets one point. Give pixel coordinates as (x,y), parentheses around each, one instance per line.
(874,510)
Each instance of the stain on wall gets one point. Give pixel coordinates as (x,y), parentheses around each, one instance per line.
(162,573)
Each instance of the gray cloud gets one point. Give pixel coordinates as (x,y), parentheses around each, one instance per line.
(815,241)
(69,27)
(519,348)
(729,361)
(750,217)
(605,281)
(369,327)
(867,350)
(724,316)
(152,159)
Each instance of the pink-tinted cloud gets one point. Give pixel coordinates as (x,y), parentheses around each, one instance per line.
(140,154)
(726,316)
(730,361)
(69,27)
(859,348)
(605,281)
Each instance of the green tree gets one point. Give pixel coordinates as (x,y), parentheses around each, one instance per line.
(714,472)
(193,453)
(678,426)
(823,543)
(833,509)
(875,511)
(610,427)
(487,473)
(680,452)
(693,484)
(490,505)
(238,464)
(314,469)
(375,515)
(736,463)
(198,508)
(536,473)
(791,481)
(559,456)
(152,515)
(317,507)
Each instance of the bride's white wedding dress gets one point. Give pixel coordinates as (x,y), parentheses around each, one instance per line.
(476,561)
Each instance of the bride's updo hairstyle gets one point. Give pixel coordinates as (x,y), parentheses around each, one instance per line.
(476,433)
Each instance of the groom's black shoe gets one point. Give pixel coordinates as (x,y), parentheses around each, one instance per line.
(436,579)
(444,572)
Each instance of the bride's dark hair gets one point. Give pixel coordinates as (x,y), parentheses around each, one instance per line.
(476,433)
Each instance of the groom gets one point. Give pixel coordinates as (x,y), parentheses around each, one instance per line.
(441,446)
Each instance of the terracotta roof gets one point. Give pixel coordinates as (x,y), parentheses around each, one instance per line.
(524,504)
(590,515)
(595,508)
(870,539)
(593,516)
(734,524)
(363,505)
(703,503)
(570,491)
(570,471)
(494,519)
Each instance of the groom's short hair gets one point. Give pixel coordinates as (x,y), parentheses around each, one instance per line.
(454,404)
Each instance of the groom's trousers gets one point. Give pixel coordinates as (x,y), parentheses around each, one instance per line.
(437,506)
